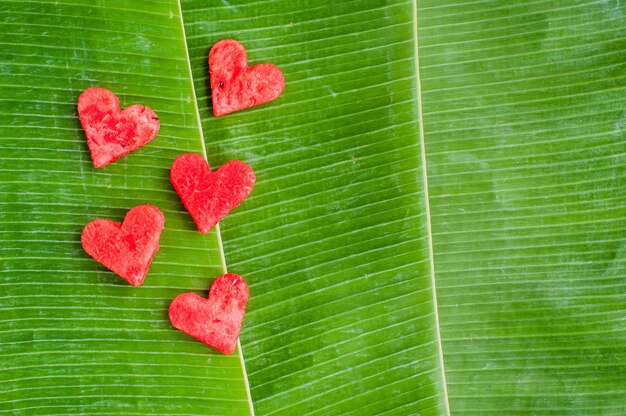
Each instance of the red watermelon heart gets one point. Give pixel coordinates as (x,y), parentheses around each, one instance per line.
(216,321)
(235,85)
(210,196)
(112,133)
(126,249)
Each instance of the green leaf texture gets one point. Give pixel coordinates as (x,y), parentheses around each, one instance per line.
(523,115)
(334,240)
(430,235)
(75,338)
(525,128)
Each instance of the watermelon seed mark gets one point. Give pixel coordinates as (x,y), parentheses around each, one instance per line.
(106,117)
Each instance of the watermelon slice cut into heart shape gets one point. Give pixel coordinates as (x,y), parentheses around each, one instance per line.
(126,249)
(216,321)
(210,196)
(234,84)
(112,133)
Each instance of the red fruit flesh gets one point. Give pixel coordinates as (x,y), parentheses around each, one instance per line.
(235,85)
(112,133)
(126,249)
(210,196)
(215,321)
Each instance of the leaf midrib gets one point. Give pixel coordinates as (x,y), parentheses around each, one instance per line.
(217,227)
(427,209)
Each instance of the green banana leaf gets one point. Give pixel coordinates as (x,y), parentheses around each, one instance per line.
(76,339)
(442,235)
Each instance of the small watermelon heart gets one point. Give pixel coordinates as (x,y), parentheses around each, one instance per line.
(216,321)
(235,85)
(112,133)
(210,196)
(126,249)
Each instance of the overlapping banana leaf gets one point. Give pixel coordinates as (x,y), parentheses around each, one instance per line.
(427,236)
